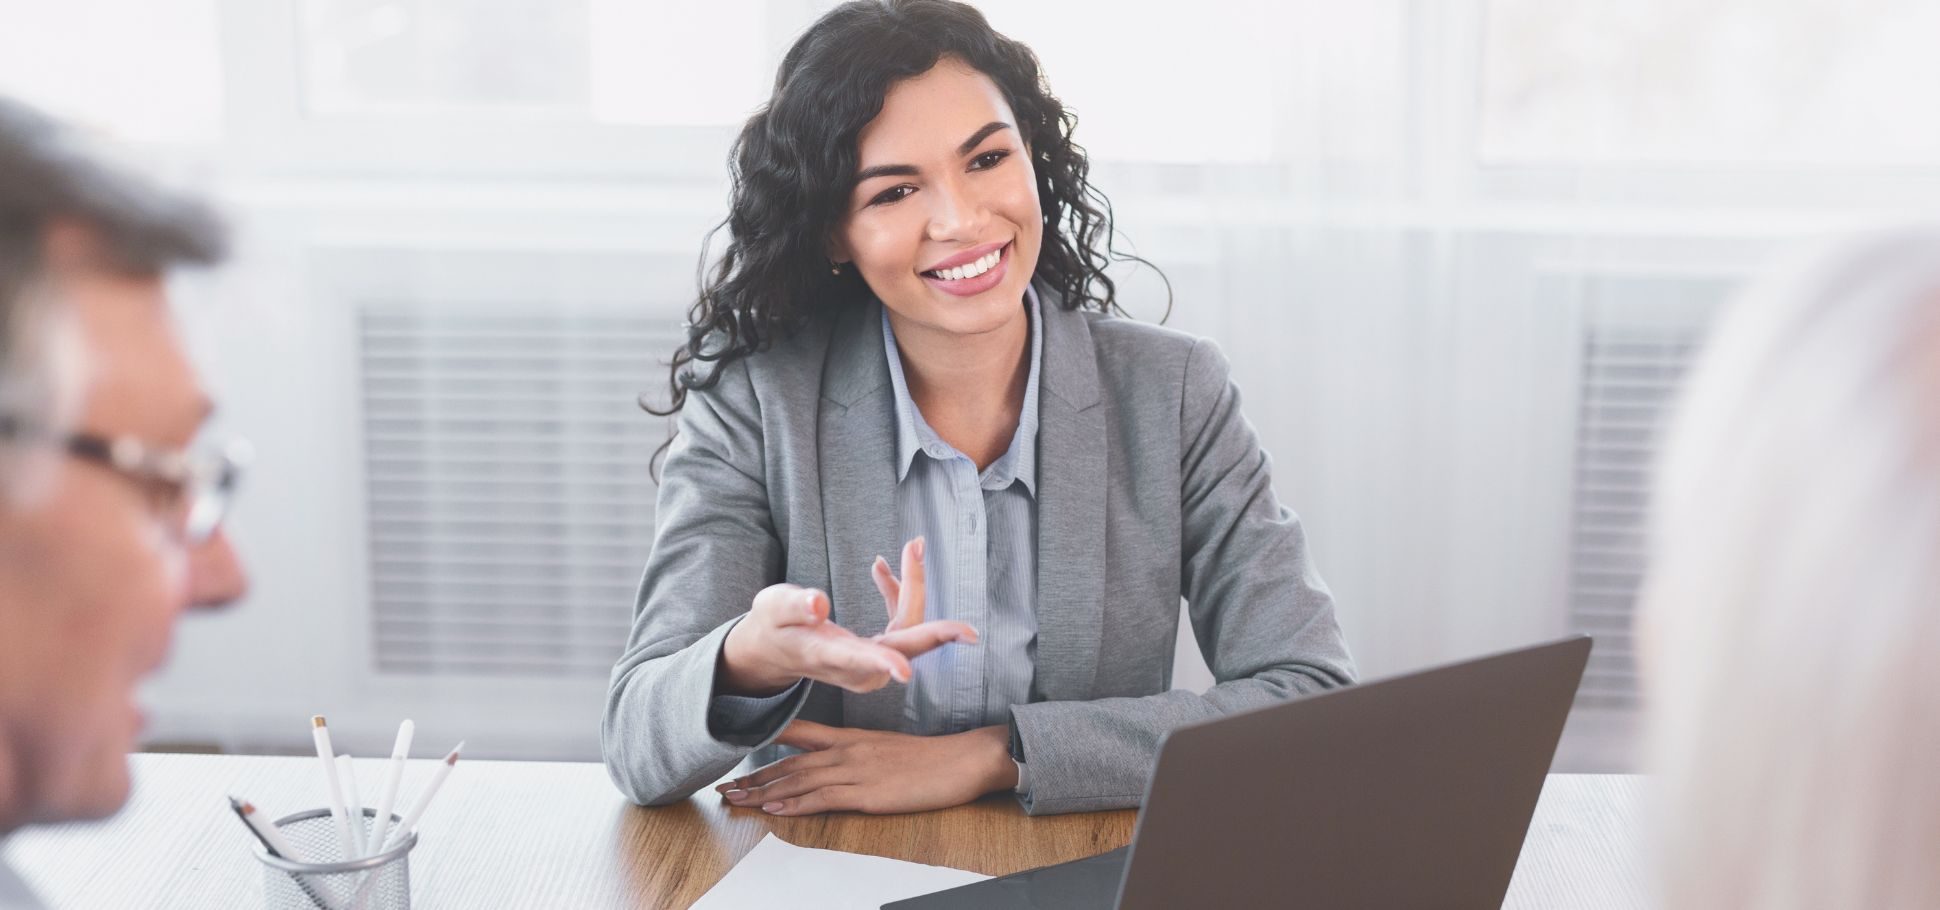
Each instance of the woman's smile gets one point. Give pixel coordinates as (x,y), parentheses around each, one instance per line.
(974,272)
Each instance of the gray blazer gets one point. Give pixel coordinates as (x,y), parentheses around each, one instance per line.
(1151,485)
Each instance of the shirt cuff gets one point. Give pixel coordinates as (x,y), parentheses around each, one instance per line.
(750,720)
(1023,787)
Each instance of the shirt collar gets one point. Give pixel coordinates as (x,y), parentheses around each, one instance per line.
(914,435)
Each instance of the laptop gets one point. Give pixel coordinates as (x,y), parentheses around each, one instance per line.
(1414,791)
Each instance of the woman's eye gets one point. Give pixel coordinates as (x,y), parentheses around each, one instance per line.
(989,160)
(892,194)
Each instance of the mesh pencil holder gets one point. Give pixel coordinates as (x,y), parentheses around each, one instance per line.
(380,882)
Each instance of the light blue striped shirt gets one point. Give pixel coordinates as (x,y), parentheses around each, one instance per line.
(980,557)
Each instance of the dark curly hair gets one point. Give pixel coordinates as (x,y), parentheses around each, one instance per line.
(793,168)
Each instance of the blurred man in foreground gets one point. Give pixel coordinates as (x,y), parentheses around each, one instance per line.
(110,514)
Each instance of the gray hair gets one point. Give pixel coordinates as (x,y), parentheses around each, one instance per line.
(1791,617)
(47,177)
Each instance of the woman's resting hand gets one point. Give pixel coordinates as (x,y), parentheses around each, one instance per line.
(876,772)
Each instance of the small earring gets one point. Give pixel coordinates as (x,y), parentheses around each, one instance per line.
(835,268)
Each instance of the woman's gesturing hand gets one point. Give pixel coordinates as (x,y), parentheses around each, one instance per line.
(787,636)
(875,771)
(907,632)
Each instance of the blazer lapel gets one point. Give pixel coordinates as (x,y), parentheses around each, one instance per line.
(1072,463)
(857,455)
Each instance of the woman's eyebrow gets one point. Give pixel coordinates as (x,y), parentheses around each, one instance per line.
(886,170)
(910,170)
(980,135)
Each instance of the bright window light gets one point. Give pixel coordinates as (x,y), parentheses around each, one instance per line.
(139,72)
(1716,81)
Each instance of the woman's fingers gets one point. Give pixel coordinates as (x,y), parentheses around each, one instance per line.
(791,605)
(886,583)
(774,771)
(856,664)
(827,799)
(795,785)
(893,663)
(909,603)
(928,636)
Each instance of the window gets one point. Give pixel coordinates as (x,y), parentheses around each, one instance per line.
(165,81)
(1810,82)
(608,61)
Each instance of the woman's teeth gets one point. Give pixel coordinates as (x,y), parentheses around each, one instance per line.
(971,270)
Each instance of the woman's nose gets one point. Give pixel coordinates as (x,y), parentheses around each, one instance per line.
(955,213)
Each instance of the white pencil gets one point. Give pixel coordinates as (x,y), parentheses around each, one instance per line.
(353,803)
(272,840)
(424,799)
(328,756)
(267,830)
(387,797)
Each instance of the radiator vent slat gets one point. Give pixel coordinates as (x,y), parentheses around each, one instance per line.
(1631,374)
(506,477)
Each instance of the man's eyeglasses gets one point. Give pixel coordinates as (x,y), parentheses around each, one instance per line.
(194,486)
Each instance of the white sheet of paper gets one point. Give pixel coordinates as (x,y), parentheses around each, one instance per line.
(777,873)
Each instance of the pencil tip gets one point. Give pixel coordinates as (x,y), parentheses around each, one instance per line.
(248,809)
(452,759)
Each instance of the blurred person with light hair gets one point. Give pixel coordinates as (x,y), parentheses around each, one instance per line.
(110,515)
(1790,624)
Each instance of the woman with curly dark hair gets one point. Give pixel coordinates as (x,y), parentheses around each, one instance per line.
(908,346)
